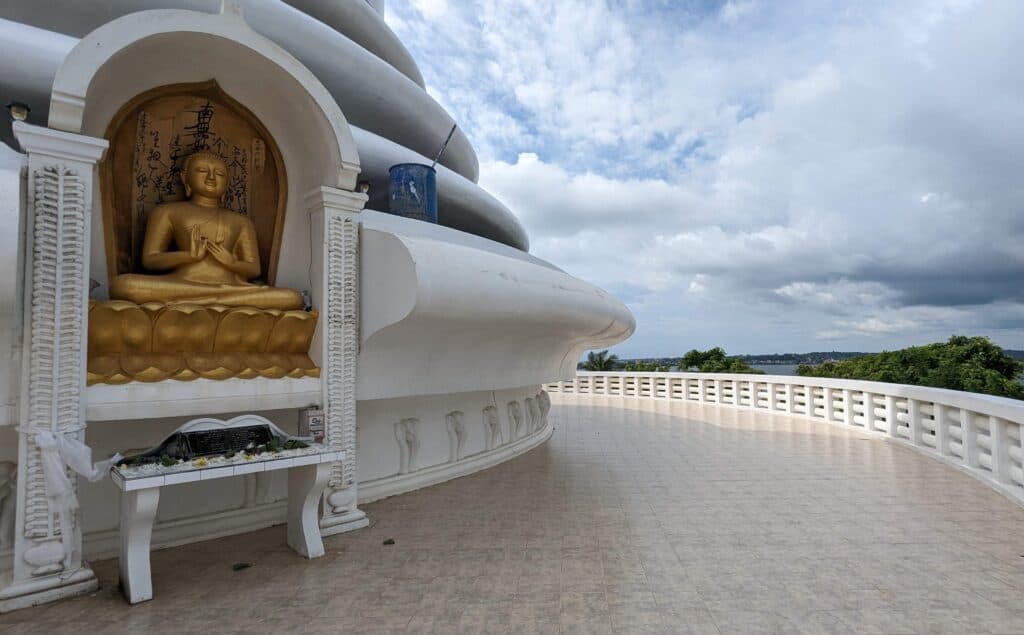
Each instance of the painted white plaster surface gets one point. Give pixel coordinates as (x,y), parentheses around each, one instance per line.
(137,400)
(11,252)
(442,317)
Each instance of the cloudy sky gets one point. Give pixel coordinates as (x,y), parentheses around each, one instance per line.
(757,174)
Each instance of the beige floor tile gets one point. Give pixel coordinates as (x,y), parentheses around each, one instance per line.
(637,517)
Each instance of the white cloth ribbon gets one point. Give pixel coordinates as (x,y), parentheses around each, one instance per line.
(58,451)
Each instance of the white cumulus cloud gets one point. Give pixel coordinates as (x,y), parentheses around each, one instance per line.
(756,175)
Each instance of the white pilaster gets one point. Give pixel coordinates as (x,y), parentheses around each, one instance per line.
(334,217)
(48,543)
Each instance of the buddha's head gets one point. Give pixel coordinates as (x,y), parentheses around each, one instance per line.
(205,175)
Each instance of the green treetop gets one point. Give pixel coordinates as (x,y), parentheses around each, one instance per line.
(715,361)
(600,360)
(972,364)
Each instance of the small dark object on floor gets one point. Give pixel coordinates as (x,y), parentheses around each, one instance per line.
(238,566)
(389,541)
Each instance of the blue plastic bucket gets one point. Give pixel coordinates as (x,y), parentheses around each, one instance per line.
(412,191)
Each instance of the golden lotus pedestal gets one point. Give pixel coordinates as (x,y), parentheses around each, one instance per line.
(155,341)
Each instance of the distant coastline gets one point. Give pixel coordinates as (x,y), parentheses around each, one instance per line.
(776,369)
(786,363)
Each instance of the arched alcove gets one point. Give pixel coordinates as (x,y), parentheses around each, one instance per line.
(143,51)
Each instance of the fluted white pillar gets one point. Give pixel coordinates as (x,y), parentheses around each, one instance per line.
(48,561)
(334,217)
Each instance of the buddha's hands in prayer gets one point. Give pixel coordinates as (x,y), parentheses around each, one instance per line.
(198,245)
(222,255)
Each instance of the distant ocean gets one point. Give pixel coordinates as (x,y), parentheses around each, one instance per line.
(776,369)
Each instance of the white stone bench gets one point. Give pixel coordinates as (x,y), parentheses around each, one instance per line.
(308,473)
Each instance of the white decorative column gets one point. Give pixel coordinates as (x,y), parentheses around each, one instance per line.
(334,216)
(48,541)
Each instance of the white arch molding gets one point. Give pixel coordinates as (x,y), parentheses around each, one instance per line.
(143,50)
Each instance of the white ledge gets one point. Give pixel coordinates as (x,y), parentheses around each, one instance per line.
(443,314)
(1011,409)
(136,400)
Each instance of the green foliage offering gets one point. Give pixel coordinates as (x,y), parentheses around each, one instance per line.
(167,461)
(972,364)
(715,361)
(600,360)
(645,367)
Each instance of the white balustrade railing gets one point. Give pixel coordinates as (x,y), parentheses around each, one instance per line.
(980,434)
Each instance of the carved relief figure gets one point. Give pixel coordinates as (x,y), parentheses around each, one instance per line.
(408,444)
(536,421)
(210,253)
(492,428)
(531,410)
(455,421)
(8,500)
(544,400)
(515,420)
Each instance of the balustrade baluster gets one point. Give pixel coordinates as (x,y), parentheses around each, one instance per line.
(891,422)
(914,415)
(1000,450)
(869,412)
(969,438)
(941,429)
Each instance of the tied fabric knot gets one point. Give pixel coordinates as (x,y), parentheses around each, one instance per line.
(58,451)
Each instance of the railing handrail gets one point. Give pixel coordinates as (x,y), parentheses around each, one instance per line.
(982,435)
(1012,409)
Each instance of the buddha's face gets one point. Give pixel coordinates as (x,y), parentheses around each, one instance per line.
(206,177)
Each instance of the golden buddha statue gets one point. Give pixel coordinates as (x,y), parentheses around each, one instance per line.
(215,251)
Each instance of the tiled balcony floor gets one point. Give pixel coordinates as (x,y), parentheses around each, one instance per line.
(638,516)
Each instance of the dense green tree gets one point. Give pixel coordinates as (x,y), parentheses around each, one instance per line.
(973,364)
(600,360)
(715,361)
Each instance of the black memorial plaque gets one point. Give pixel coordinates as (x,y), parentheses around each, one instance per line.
(185,446)
(226,440)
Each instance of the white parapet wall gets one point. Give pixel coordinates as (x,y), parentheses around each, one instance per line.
(978,434)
